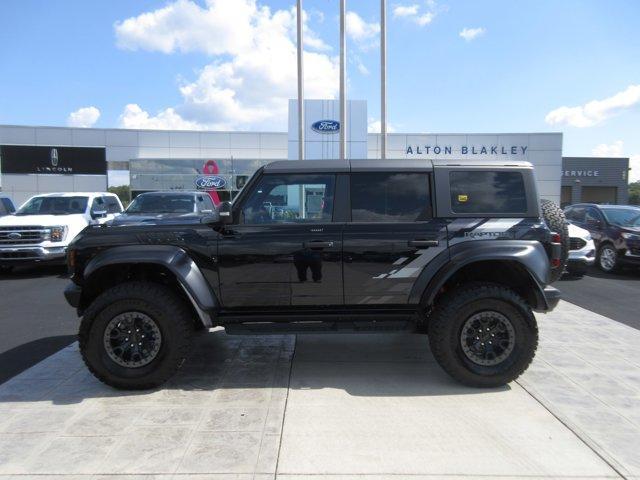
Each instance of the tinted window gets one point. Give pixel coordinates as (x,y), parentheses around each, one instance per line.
(54,206)
(575,214)
(306,198)
(390,197)
(592,214)
(487,192)
(112,205)
(161,203)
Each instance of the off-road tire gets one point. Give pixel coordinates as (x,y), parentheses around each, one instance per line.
(447,321)
(556,221)
(616,265)
(164,307)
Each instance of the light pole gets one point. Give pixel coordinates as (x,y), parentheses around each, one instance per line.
(300,84)
(383,79)
(343,83)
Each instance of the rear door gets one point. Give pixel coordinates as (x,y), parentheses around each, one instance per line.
(390,237)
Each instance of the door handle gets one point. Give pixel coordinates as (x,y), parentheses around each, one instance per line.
(317,244)
(423,243)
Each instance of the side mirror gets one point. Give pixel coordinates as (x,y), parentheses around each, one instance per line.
(225,213)
(98,214)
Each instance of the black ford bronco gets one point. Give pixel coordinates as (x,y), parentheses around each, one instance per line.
(461,252)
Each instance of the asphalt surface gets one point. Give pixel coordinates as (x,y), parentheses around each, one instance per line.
(616,296)
(36,321)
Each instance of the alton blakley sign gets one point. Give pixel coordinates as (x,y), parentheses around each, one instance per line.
(466,150)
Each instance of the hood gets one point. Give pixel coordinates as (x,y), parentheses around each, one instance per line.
(577,232)
(160,218)
(635,230)
(44,220)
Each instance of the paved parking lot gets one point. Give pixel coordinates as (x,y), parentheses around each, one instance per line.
(35,320)
(614,295)
(339,406)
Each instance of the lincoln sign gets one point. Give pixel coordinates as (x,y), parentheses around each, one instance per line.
(466,150)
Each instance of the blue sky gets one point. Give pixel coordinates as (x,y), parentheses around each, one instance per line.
(228,64)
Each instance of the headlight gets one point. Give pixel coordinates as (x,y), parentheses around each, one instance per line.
(630,236)
(56,234)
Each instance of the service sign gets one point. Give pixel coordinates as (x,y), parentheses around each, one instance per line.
(326,126)
(27,159)
(210,182)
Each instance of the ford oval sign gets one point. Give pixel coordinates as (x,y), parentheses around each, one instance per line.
(326,126)
(210,182)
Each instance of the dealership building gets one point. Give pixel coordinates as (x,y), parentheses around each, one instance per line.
(595,180)
(45,159)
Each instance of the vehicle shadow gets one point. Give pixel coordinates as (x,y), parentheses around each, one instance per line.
(35,271)
(626,273)
(222,366)
(19,359)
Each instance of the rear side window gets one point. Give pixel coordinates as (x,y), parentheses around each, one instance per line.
(487,192)
(390,197)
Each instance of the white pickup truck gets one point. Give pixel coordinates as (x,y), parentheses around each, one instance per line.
(42,228)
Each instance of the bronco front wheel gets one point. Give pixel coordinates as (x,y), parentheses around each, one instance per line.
(483,334)
(135,335)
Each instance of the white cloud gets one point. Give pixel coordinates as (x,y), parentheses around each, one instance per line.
(375,126)
(634,163)
(134,117)
(364,34)
(358,29)
(604,150)
(253,71)
(418,14)
(595,111)
(84,117)
(472,33)
(362,68)
(405,10)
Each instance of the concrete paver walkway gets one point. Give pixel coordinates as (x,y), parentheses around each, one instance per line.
(342,406)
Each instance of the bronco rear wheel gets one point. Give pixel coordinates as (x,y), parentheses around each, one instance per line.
(483,334)
(135,335)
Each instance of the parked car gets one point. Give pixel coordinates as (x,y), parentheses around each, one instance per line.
(174,206)
(582,251)
(42,228)
(6,206)
(615,230)
(373,251)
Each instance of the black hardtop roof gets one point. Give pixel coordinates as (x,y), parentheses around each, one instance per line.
(339,166)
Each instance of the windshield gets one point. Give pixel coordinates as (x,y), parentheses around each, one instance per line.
(624,217)
(54,206)
(162,204)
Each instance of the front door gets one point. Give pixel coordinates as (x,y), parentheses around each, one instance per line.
(391,237)
(283,249)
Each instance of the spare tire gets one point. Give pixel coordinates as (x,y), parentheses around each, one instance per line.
(556,221)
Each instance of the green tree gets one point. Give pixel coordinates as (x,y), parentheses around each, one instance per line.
(123,192)
(634,193)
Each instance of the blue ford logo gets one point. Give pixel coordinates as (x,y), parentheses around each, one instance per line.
(326,126)
(210,182)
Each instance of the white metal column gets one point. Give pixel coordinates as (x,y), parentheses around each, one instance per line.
(300,83)
(383,79)
(343,83)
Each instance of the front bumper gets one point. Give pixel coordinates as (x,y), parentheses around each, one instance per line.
(17,255)
(584,257)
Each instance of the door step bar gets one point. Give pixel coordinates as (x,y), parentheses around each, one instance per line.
(321,326)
